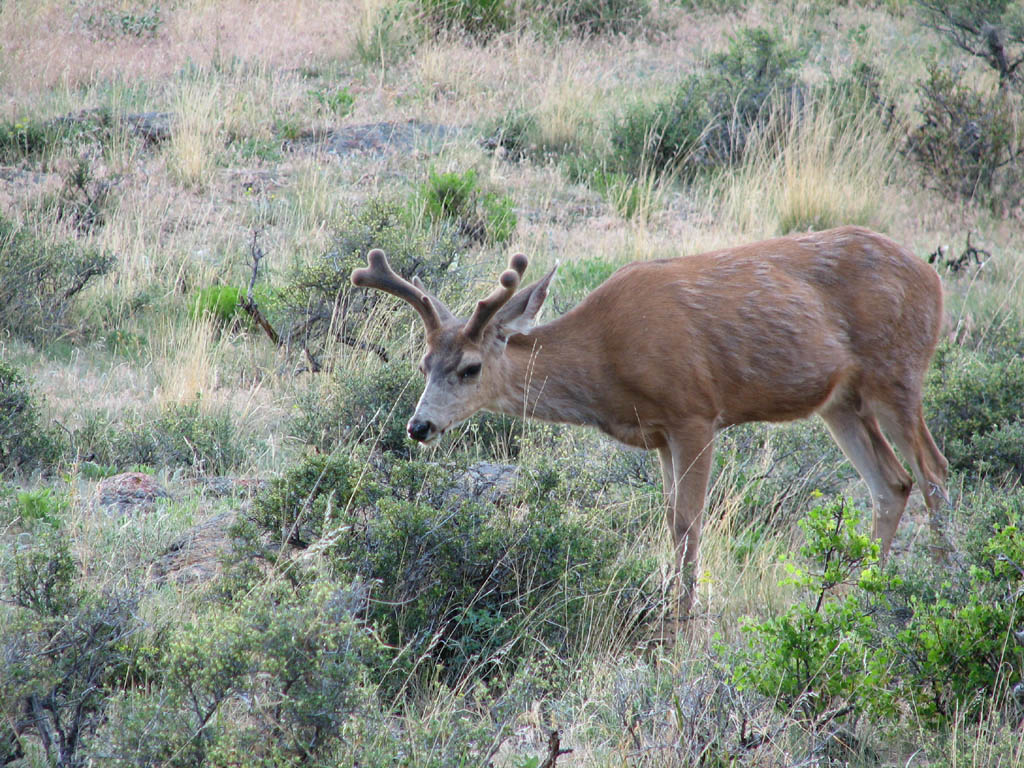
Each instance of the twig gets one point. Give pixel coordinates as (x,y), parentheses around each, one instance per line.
(554,751)
(249,303)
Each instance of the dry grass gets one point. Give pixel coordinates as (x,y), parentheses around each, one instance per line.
(818,170)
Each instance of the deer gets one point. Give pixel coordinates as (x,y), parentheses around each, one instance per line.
(666,353)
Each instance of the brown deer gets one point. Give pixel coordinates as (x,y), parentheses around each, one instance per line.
(665,353)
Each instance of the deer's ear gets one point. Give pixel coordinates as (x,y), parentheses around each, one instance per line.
(522,311)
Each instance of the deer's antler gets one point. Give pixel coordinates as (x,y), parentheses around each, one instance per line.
(379,275)
(487,308)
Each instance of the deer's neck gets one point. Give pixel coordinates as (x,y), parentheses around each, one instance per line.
(551,374)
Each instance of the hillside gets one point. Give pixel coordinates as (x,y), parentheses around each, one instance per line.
(218,545)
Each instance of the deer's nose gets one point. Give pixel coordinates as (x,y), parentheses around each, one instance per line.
(420,430)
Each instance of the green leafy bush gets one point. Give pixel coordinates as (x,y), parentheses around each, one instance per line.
(272,680)
(936,643)
(318,303)
(458,199)
(972,403)
(818,657)
(705,122)
(26,442)
(462,587)
(39,280)
(968,142)
(64,646)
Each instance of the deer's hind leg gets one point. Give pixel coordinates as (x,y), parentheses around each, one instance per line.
(856,430)
(907,429)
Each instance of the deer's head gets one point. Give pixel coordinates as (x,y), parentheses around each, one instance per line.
(463,360)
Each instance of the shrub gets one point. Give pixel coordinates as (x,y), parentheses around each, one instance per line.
(705,123)
(26,443)
(374,408)
(967,143)
(480,216)
(40,280)
(459,587)
(972,403)
(273,680)
(181,436)
(935,643)
(318,303)
(818,657)
(63,649)
(483,19)
(352,407)
(991,30)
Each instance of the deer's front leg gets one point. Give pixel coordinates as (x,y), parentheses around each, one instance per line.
(685,466)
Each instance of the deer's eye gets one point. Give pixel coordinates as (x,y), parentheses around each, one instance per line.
(470,372)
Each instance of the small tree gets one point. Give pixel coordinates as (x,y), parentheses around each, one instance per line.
(991,30)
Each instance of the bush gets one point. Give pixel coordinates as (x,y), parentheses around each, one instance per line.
(318,303)
(936,644)
(972,404)
(373,408)
(273,680)
(26,443)
(40,280)
(459,587)
(817,659)
(483,19)
(360,408)
(705,123)
(967,143)
(65,649)
(457,199)
(182,436)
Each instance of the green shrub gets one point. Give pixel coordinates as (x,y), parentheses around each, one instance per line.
(957,657)
(459,587)
(973,406)
(181,436)
(40,280)
(275,679)
(818,657)
(26,442)
(934,643)
(991,30)
(374,408)
(705,122)
(457,199)
(967,143)
(367,408)
(483,19)
(318,303)
(218,301)
(64,647)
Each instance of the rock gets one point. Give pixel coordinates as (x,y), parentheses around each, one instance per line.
(378,138)
(484,481)
(195,556)
(153,127)
(129,493)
